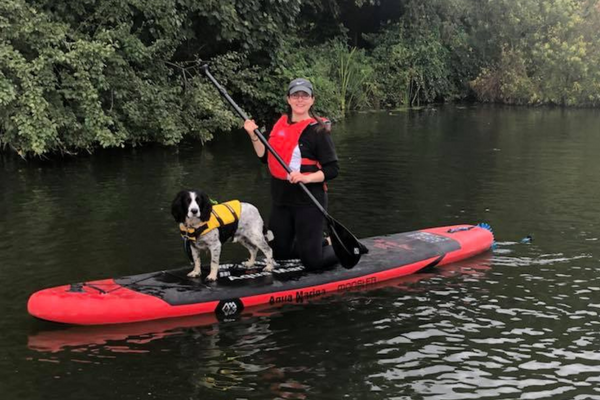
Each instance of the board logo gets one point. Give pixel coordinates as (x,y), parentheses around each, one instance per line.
(229,308)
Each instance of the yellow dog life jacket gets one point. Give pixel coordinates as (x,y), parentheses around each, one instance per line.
(222,215)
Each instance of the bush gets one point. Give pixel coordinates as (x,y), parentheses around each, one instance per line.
(410,68)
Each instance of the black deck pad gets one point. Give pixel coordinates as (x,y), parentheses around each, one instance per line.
(236,281)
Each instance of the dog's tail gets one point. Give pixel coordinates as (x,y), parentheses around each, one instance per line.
(268,234)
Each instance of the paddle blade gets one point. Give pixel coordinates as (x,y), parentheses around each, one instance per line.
(346,246)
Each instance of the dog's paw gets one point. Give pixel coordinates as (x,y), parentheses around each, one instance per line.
(248,264)
(194,274)
(268,268)
(211,277)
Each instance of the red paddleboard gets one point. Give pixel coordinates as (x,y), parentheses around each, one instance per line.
(170,293)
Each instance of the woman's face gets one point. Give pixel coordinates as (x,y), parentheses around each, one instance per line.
(300,102)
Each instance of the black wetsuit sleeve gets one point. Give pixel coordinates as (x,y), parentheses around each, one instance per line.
(265,156)
(330,170)
(325,149)
(326,155)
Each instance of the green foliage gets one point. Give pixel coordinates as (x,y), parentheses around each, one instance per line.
(566,59)
(80,74)
(554,60)
(508,81)
(341,75)
(353,78)
(411,68)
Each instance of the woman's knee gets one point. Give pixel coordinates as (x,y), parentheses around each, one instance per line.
(310,263)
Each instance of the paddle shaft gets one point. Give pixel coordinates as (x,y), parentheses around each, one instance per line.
(264,141)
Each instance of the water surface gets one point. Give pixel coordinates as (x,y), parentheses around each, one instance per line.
(521,322)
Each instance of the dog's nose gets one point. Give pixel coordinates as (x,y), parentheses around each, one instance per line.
(194,211)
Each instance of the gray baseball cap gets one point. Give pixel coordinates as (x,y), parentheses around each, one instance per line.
(300,85)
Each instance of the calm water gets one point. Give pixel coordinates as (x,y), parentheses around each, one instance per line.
(519,323)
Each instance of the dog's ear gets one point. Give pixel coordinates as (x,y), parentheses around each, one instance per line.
(205,206)
(178,207)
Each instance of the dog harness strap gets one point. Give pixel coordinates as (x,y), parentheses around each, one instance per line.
(191,233)
(214,213)
(232,211)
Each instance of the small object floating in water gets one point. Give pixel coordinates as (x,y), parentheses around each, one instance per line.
(527,239)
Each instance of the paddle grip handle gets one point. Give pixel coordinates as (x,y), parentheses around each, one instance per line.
(261,137)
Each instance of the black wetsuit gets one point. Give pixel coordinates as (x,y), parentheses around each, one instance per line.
(295,221)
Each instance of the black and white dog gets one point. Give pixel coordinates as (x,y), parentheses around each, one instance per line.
(193,208)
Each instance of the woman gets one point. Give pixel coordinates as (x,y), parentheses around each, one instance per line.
(304,142)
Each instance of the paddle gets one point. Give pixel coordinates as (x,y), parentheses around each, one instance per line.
(346,246)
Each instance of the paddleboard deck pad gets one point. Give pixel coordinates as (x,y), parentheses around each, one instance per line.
(170,293)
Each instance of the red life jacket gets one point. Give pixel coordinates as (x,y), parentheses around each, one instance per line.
(284,139)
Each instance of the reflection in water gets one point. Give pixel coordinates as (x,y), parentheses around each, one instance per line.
(253,352)
(480,345)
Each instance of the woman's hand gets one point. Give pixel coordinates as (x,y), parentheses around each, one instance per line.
(250,126)
(297,177)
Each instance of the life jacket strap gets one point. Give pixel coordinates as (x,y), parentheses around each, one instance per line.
(217,217)
(309,161)
(236,217)
(191,233)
